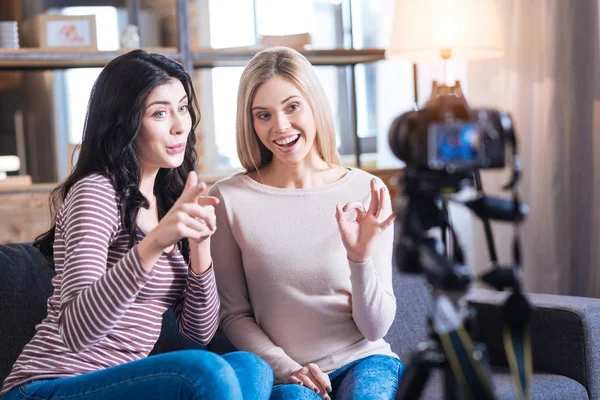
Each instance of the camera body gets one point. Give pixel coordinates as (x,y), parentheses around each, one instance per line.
(448,136)
(444,145)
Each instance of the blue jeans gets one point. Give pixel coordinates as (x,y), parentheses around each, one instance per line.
(187,374)
(373,377)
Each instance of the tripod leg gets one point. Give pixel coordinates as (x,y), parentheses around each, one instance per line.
(450,387)
(414,378)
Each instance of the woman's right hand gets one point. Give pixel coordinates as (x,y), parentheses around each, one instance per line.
(192,216)
(313,378)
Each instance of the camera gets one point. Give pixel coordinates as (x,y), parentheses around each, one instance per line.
(448,136)
(444,146)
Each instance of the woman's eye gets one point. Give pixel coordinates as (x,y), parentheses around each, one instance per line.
(262,116)
(293,107)
(183,108)
(160,114)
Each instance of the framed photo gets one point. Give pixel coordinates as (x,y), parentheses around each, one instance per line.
(56,32)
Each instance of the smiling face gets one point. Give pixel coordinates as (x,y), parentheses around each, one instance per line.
(284,121)
(166,124)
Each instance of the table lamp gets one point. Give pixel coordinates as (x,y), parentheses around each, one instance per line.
(434,30)
(8,164)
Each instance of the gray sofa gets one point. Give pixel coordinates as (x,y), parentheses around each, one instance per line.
(566,330)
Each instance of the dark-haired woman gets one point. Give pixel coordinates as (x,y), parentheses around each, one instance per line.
(131,237)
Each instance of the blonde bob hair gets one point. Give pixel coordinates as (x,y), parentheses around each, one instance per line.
(295,68)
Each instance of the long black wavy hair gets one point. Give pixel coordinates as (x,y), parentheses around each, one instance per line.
(113,120)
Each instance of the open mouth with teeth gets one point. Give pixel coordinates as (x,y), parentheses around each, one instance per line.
(287,142)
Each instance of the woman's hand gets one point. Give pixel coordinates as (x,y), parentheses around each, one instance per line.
(192,216)
(359,235)
(313,378)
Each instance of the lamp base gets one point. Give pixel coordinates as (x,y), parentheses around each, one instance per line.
(442,89)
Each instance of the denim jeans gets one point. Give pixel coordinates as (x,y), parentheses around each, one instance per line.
(374,377)
(187,374)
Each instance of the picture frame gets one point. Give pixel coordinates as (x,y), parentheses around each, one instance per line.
(61,32)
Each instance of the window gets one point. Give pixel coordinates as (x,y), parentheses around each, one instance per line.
(381,90)
(72,87)
(331,26)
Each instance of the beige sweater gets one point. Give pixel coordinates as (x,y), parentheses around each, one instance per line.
(288,291)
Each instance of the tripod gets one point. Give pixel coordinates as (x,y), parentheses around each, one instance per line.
(414,138)
(450,326)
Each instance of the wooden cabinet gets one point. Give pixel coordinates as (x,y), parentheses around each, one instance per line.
(24,214)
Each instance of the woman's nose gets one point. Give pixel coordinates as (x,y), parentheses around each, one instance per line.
(282,123)
(178,127)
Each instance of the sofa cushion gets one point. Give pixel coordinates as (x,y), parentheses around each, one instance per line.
(25,285)
(543,387)
(413,304)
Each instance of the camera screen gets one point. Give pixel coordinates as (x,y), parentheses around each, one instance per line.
(455,143)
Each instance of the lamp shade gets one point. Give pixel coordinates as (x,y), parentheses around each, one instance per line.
(9,163)
(428,30)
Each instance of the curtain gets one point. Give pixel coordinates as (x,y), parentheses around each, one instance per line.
(549,80)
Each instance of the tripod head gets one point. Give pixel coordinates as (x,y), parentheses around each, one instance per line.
(421,208)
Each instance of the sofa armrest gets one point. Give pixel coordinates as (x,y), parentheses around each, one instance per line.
(565,332)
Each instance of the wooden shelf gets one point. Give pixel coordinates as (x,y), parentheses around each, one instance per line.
(207,58)
(42,59)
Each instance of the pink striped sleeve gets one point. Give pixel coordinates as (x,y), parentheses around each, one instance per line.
(197,311)
(92,298)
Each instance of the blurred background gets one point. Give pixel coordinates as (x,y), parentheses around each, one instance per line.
(542,66)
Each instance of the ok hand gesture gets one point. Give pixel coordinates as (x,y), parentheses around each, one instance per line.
(359,236)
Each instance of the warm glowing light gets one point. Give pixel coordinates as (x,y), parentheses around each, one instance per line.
(469,29)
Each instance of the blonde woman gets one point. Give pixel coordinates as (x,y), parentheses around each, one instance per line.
(302,251)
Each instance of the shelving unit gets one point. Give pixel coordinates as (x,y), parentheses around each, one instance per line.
(35,59)
(24,213)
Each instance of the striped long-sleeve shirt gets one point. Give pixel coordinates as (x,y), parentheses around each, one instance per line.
(105,309)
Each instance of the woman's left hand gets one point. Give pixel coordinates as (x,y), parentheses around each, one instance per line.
(359,235)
